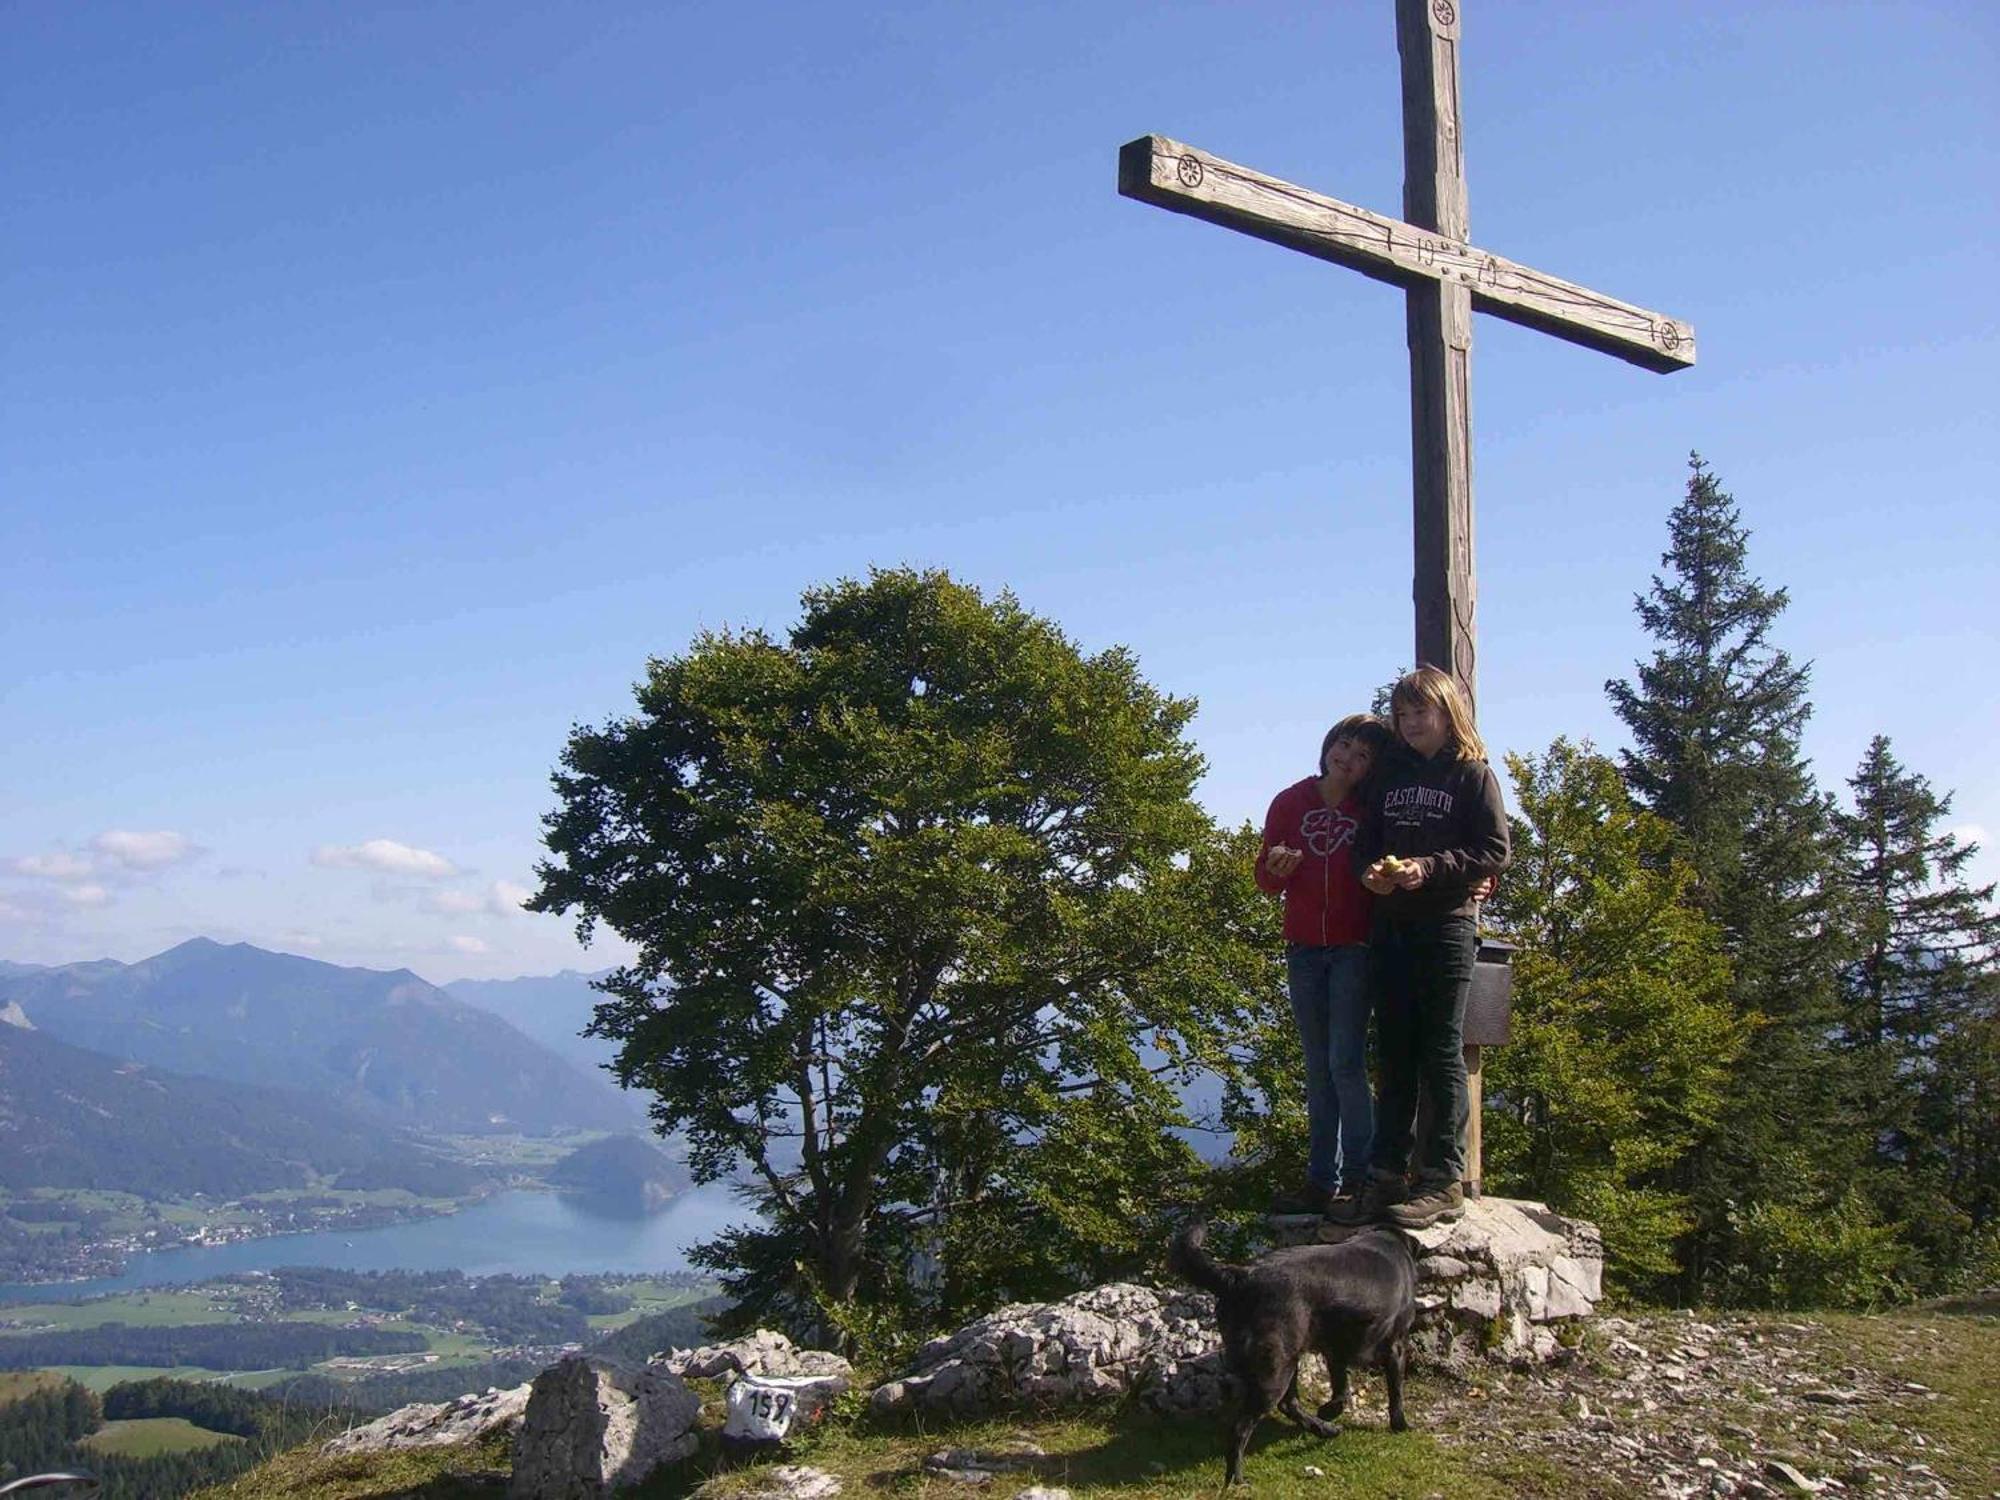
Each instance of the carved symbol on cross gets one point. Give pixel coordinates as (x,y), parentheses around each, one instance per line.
(1668,335)
(1445,12)
(1190,172)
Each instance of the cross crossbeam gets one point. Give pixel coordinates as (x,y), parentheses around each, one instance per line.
(1171,175)
(1445,279)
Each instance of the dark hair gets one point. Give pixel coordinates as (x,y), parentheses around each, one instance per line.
(1366,728)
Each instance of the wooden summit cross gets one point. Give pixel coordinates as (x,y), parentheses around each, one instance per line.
(1444,279)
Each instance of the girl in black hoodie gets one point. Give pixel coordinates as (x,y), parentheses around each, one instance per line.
(1438,829)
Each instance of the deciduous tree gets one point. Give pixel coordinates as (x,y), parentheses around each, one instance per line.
(922,903)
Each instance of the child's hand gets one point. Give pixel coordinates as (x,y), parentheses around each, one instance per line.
(1281,860)
(1390,873)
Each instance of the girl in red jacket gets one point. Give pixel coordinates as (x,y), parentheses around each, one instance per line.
(1309,835)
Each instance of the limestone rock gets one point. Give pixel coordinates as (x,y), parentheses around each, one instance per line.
(1491,1285)
(1100,1344)
(436,1424)
(1009,1459)
(761,1353)
(790,1482)
(593,1425)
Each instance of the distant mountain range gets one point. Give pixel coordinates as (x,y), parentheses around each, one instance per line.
(386,1044)
(78,1119)
(551,1008)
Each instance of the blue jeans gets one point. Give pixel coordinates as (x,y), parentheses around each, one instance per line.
(1420,973)
(1329,988)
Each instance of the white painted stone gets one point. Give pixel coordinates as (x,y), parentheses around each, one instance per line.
(764,1408)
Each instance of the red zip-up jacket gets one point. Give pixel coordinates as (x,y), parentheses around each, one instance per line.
(1324,903)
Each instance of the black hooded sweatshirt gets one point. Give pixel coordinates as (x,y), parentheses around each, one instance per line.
(1444,811)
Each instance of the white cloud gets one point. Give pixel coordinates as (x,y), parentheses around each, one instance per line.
(133,850)
(89,894)
(59,865)
(385,855)
(469,945)
(502,898)
(12,912)
(1972,833)
(506,897)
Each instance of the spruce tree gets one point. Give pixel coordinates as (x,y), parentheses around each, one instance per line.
(1921,991)
(1715,717)
(1623,1040)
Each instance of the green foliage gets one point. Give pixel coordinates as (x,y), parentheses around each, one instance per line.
(908,888)
(1802,1255)
(1622,1035)
(1715,716)
(1922,1022)
(219,1408)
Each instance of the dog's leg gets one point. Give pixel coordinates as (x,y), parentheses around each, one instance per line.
(1235,1440)
(1336,1374)
(1262,1388)
(1395,1358)
(1290,1406)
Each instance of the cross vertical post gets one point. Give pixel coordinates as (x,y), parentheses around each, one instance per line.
(1438,316)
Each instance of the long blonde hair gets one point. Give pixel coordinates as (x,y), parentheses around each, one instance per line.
(1442,692)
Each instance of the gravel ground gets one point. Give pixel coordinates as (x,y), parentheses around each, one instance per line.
(1671,1405)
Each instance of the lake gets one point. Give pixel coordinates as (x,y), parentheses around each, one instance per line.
(521,1233)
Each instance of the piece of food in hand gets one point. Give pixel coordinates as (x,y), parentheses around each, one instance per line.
(1281,849)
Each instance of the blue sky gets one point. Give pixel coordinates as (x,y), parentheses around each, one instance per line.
(384,384)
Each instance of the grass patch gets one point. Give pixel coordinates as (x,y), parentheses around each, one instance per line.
(649,1297)
(14,1384)
(1954,1349)
(407,1474)
(148,1437)
(1126,1455)
(158,1309)
(101,1378)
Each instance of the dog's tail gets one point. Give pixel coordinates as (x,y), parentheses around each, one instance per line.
(1192,1263)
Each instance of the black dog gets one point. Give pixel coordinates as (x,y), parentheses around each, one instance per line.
(1353,1302)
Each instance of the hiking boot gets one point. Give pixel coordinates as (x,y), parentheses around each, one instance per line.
(1307,1202)
(1369,1205)
(1434,1203)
